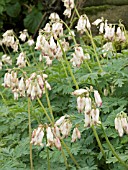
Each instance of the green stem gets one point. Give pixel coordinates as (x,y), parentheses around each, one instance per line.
(94,48)
(3,99)
(65,159)
(68,150)
(49,104)
(29,123)
(88,66)
(3,49)
(91,38)
(98,140)
(45,111)
(48,159)
(68,65)
(112,149)
(70,32)
(65,72)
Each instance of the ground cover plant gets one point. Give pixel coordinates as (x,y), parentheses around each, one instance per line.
(69,109)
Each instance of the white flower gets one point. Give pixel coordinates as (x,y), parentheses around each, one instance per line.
(47,85)
(107,47)
(60,121)
(101,29)
(75,135)
(119,127)
(83,23)
(54,17)
(109,32)
(56,131)
(87,56)
(30,42)
(97,97)
(67,12)
(71,34)
(97,21)
(118,32)
(47,28)
(38,90)
(87,120)
(21,62)
(16,95)
(6,59)
(76,61)
(29,89)
(68,3)
(7,80)
(21,84)
(50,139)
(65,128)
(80,104)
(40,81)
(23,35)
(33,92)
(95,116)
(79,92)
(53,46)
(124,124)
(57,143)
(57,29)
(88,104)
(37,136)
(79,52)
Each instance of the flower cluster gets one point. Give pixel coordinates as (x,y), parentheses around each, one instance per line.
(9,40)
(6,60)
(108,47)
(60,130)
(79,57)
(88,106)
(121,123)
(33,86)
(109,30)
(49,49)
(83,24)
(46,41)
(69,4)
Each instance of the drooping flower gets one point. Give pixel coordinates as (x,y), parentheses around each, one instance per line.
(75,135)
(79,92)
(95,116)
(97,21)
(88,105)
(54,17)
(21,61)
(83,24)
(23,35)
(50,139)
(80,104)
(87,120)
(37,136)
(98,99)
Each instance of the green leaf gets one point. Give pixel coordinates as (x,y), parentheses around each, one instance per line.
(13,10)
(32,20)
